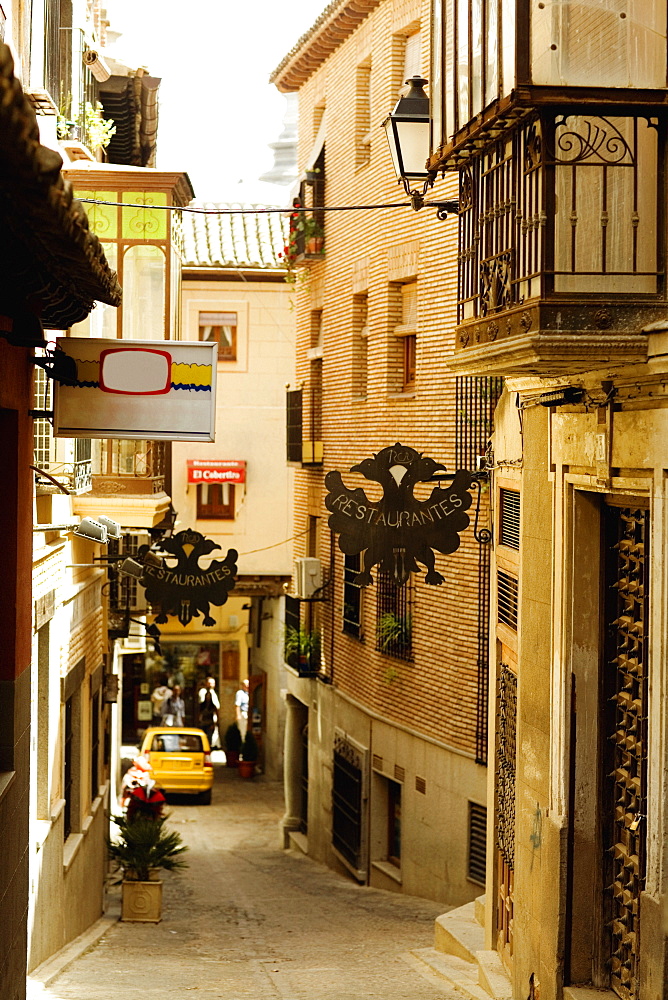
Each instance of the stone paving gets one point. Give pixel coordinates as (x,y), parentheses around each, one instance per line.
(248,919)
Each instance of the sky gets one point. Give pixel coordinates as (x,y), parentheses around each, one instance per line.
(218,111)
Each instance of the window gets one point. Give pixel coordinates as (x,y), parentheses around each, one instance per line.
(507,599)
(352,597)
(509,509)
(144,284)
(294,425)
(406,332)
(220,328)
(412,58)
(475,401)
(477,863)
(394,822)
(215,501)
(394,621)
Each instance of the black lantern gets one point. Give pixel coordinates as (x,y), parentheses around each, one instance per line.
(407,129)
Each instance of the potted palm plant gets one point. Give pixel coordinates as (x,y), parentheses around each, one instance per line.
(302,648)
(232,745)
(142,848)
(249,755)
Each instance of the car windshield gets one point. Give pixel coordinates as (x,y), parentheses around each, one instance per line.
(177,743)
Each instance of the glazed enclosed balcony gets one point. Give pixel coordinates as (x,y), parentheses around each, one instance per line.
(554,116)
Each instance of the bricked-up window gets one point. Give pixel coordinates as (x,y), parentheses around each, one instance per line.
(360,345)
(215,501)
(507,599)
(352,597)
(477,864)
(394,617)
(363,115)
(406,332)
(509,516)
(294,425)
(220,328)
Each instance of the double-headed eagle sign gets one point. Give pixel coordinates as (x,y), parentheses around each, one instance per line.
(186,589)
(398,531)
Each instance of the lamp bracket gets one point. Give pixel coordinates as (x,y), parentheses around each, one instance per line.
(444,208)
(58,366)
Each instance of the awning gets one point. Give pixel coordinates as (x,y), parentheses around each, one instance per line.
(50,263)
(216,471)
(132,102)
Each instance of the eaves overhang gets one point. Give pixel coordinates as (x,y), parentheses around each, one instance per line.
(338,20)
(50,262)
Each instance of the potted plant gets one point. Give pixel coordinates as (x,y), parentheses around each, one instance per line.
(232,745)
(302,648)
(143,847)
(249,755)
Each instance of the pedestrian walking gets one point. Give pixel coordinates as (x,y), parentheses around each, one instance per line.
(241,706)
(174,708)
(161,693)
(209,705)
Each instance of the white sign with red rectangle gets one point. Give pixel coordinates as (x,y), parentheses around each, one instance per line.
(138,389)
(216,471)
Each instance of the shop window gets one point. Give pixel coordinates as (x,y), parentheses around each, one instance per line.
(220,328)
(215,501)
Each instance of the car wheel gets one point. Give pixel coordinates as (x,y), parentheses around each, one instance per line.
(204,798)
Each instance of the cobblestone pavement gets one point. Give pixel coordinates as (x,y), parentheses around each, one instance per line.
(248,919)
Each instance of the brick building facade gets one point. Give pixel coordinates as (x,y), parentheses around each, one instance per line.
(391,785)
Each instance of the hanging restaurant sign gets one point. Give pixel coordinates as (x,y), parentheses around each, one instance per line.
(160,390)
(201,470)
(399,531)
(186,589)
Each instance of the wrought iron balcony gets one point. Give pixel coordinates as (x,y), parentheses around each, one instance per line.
(133,467)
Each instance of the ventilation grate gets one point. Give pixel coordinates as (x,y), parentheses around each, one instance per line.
(509,509)
(477,842)
(420,785)
(507,599)
(377,762)
(399,773)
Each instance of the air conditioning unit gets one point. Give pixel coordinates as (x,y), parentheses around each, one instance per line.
(308,577)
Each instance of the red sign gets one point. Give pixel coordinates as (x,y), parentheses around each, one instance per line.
(212,471)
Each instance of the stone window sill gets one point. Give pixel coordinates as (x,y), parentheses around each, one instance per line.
(387,869)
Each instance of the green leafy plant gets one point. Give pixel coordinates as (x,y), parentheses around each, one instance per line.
(306,236)
(249,748)
(393,633)
(298,644)
(144,845)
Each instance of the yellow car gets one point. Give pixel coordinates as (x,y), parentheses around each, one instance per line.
(180,760)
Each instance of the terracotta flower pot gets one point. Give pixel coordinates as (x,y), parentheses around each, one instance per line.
(246,768)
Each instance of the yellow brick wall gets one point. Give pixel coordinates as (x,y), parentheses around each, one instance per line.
(370,251)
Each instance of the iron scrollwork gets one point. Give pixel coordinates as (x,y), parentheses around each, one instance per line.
(496,289)
(592,139)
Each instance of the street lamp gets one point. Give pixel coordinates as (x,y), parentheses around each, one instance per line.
(407,128)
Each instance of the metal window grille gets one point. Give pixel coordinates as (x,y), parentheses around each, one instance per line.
(82,474)
(94,745)
(506,752)
(477,864)
(68,768)
(303,784)
(294,405)
(347,802)
(475,401)
(507,599)
(292,616)
(124,592)
(509,511)
(316,399)
(394,617)
(352,597)
(482,692)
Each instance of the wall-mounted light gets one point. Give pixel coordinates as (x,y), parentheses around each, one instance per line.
(561,397)
(100,530)
(407,128)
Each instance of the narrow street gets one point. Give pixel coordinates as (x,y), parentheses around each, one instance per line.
(250,920)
